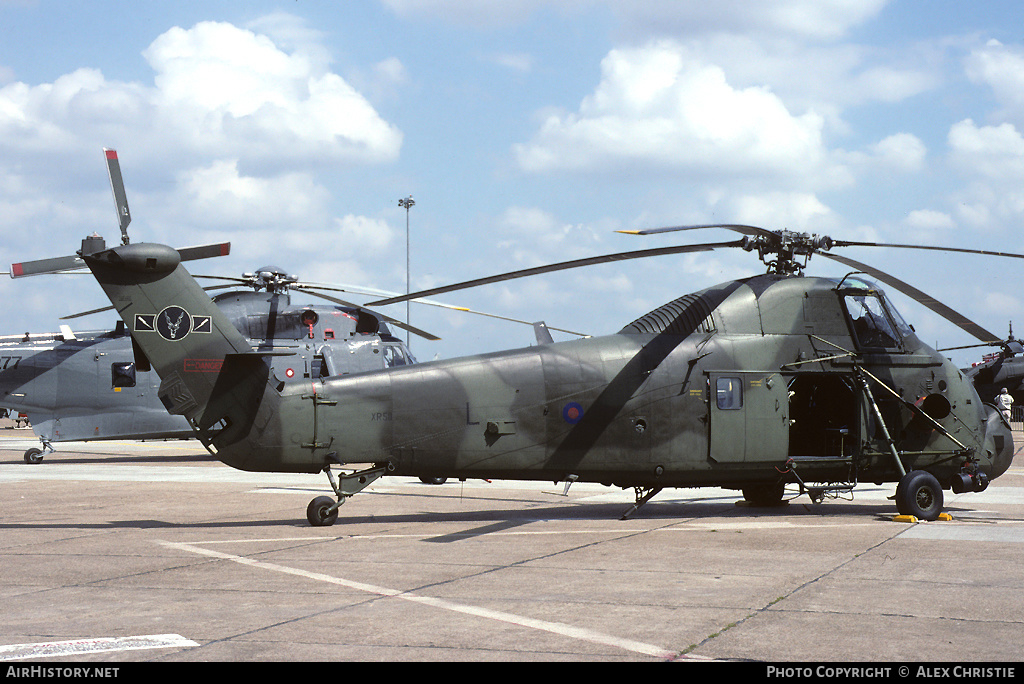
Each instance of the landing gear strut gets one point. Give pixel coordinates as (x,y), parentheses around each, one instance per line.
(643,495)
(323,510)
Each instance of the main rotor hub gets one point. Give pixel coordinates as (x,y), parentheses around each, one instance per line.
(791,250)
(273,279)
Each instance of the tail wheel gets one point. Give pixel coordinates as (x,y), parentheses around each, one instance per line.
(321,512)
(919,494)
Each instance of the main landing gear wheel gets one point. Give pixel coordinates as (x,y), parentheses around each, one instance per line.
(919,494)
(34,455)
(321,512)
(764,494)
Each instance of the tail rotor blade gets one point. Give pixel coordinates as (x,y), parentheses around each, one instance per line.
(205,251)
(41,266)
(124,216)
(72,263)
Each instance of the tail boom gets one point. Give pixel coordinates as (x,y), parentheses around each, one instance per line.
(209,372)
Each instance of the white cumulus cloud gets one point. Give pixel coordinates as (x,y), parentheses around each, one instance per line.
(993,151)
(656,104)
(218,90)
(928,220)
(1000,67)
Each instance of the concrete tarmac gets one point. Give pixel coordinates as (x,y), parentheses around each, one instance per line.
(122,551)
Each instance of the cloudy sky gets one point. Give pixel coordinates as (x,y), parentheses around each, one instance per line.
(527,132)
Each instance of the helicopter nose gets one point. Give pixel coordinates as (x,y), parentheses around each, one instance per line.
(998,445)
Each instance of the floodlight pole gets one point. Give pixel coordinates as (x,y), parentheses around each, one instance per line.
(407,203)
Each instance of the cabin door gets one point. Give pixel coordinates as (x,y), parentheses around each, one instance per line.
(748,417)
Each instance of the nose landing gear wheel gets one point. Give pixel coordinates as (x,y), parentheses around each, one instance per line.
(322,512)
(919,494)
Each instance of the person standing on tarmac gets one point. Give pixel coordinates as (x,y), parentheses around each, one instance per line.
(1005,400)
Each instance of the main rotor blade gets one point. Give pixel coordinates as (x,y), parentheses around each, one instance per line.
(86,313)
(393,321)
(847,243)
(241,281)
(918,296)
(577,263)
(737,227)
(111,308)
(490,315)
(310,287)
(970,346)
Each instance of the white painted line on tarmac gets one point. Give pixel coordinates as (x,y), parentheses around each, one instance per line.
(948,531)
(558,628)
(77,647)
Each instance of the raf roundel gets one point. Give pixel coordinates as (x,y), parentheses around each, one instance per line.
(572,413)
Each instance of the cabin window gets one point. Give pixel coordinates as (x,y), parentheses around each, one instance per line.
(729,392)
(122,374)
(871,324)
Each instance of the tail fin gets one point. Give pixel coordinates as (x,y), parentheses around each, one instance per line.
(209,372)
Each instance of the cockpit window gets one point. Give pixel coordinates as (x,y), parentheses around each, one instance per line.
(871,324)
(393,356)
(902,327)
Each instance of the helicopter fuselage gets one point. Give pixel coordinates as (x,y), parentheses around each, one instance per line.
(749,382)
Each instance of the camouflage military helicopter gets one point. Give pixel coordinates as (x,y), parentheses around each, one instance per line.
(88,386)
(757,384)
